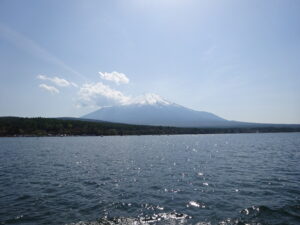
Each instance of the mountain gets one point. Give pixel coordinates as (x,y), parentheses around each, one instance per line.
(151,109)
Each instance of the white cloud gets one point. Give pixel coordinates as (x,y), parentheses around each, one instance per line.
(149,99)
(51,89)
(118,78)
(100,95)
(57,81)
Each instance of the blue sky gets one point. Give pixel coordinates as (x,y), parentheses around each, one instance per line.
(237,59)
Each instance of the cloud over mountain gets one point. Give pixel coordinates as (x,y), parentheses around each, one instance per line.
(116,77)
(99,94)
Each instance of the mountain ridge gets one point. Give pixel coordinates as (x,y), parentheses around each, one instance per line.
(153,110)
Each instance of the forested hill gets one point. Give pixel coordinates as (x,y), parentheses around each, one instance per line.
(17,126)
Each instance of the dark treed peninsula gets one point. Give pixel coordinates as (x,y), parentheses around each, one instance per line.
(18,126)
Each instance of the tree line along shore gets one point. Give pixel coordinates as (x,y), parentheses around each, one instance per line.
(18,126)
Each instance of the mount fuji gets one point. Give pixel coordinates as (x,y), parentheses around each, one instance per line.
(151,109)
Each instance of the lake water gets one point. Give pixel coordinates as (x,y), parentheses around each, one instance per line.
(186,179)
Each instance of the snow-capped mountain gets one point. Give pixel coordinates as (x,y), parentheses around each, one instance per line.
(151,109)
(149,99)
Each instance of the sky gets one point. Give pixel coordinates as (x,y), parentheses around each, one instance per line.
(237,59)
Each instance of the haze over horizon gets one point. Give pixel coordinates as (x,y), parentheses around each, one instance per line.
(236,59)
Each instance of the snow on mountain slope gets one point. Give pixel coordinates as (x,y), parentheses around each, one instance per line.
(151,109)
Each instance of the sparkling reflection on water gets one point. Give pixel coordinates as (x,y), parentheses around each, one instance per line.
(187,179)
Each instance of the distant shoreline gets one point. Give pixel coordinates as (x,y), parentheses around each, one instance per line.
(60,127)
(129,135)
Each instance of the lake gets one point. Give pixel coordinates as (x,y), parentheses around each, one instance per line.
(180,179)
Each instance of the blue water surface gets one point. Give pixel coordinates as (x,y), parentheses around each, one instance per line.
(180,179)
